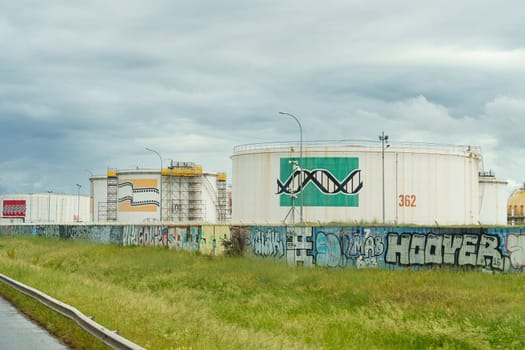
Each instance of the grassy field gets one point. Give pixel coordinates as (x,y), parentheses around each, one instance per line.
(165,299)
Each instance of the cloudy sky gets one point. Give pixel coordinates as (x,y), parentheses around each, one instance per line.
(87,85)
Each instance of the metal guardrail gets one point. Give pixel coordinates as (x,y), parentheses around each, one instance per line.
(106,336)
(358,144)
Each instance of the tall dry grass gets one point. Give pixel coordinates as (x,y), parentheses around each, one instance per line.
(165,299)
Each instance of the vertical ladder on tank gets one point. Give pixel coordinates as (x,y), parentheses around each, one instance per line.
(163,198)
(112,200)
(102,211)
(222,198)
(195,203)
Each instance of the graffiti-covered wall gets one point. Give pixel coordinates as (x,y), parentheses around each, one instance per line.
(486,249)
(182,237)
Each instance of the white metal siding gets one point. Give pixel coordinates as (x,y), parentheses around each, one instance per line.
(176,192)
(52,207)
(493,201)
(443,183)
(99,188)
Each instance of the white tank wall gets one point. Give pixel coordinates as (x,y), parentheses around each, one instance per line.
(99,189)
(174,188)
(493,201)
(50,208)
(209,196)
(144,180)
(442,184)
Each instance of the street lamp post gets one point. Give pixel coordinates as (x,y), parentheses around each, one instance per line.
(300,163)
(160,186)
(78,202)
(49,206)
(384,141)
(91,203)
(31,207)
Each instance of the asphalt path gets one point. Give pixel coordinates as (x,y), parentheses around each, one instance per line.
(17,332)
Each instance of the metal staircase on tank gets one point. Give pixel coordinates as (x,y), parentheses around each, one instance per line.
(112,200)
(222,198)
(102,211)
(195,202)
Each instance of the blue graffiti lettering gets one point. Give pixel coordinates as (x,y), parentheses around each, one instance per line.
(328,250)
(362,244)
(268,243)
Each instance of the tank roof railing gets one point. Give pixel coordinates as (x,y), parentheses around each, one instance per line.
(359,144)
(489,173)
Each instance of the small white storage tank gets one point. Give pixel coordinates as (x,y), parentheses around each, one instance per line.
(342,182)
(47,207)
(493,199)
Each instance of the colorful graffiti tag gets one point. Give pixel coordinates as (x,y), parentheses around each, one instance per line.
(268,241)
(299,246)
(347,247)
(444,249)
(182,237)
(515,244)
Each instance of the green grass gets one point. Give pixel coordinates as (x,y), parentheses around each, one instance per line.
(62,327)
(164,299)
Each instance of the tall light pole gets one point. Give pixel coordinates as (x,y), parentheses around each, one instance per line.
(300,163)
(49,206)
(30,206)
(384,140)
(160,186)
(78,202)
(91,203)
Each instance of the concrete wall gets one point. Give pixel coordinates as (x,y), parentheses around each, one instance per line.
(479,248)
(486,249)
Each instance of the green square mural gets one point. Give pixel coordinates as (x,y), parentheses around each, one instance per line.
(326,182)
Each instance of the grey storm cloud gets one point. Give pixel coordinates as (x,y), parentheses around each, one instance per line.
(90,85)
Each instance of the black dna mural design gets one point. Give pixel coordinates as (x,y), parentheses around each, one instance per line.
(323,179)
(130,193)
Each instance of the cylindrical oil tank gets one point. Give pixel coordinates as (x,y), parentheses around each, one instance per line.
(128,195)
(138,195)
(493,195)
(47,207)
(516,207)
(346,181)
(98,206)
(183,192)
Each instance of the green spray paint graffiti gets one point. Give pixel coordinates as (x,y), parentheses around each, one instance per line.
(323,182)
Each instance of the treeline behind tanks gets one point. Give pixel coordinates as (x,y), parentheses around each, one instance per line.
(487,249)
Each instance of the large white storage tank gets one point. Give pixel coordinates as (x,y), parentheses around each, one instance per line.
(343,181)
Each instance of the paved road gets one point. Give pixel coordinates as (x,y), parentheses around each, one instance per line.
(19,333)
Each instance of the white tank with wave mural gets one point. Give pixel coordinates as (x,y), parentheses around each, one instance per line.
(180,193)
